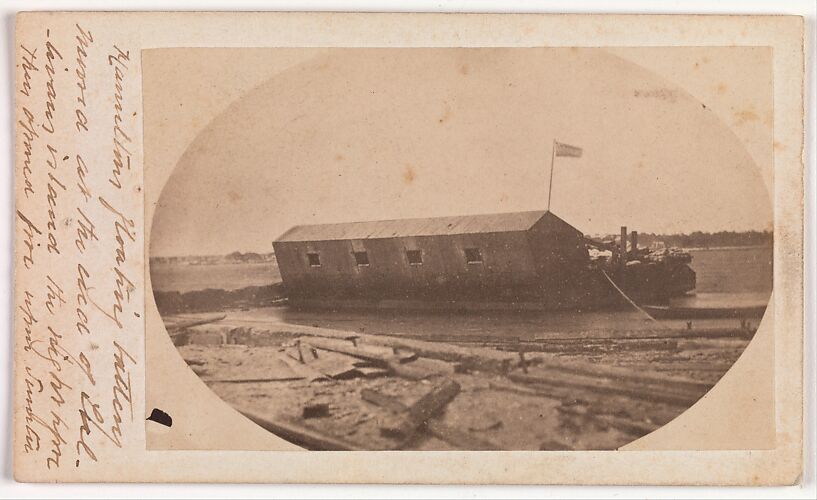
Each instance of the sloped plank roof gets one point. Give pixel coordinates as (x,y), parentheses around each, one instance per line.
(434,226)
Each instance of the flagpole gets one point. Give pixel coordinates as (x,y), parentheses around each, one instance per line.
(550,184)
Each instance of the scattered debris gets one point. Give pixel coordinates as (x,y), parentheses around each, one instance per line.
(571,392)
(319,410)
(404,425)
(304,370)
(435,426)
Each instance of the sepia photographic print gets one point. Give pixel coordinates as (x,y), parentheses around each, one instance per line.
(466,248)
(463,249)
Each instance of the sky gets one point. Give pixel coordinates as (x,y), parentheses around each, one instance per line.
(366,134)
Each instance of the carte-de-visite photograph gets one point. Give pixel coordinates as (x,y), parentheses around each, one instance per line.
(460,248)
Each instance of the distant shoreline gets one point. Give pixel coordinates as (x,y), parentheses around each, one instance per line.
(741,247)
(208,260)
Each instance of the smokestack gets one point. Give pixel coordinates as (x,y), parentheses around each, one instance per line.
(622,261)
(634,244)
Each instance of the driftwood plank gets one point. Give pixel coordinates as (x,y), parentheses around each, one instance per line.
(372,371)
(622,374)
(549,392)
(404,425)
(421,368)
(667,393)
(435,427)
(363,351)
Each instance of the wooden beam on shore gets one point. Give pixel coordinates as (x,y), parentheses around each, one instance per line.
(435,426)
(481,358)
(421,368)
(651,393)
(363,351)
(540,391)
(404,425)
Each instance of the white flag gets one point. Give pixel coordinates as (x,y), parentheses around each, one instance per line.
(567,150)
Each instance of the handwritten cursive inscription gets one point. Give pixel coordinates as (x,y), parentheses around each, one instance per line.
(91,414)
(121,154)
(83,39)
(76,246)
(51,54)
(28,67)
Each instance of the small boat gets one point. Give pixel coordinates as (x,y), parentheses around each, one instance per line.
(682,312)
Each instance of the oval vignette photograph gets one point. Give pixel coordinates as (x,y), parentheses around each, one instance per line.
(458,248)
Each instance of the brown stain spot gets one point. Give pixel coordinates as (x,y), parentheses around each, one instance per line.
(503,197)
(464,69)
(705,60)
(409,174)
(339,157)
(745,116)
(233,196)
(697,65)
(722,88)
(446,114)
(778,146)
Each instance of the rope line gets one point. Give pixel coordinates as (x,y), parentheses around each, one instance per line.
(619,290)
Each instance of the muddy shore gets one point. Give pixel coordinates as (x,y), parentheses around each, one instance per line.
(217,299)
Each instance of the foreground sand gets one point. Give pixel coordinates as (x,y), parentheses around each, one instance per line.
(332,389)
